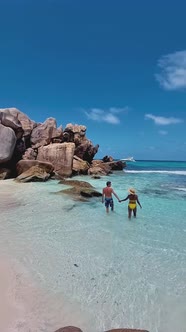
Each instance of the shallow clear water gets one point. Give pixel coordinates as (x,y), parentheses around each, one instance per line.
(112,272)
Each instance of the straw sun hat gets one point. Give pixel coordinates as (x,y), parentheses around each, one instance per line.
(132,191)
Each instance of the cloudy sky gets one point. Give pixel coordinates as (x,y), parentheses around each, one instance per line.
(117,67)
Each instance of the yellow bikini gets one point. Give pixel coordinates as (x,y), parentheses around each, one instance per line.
(132,205)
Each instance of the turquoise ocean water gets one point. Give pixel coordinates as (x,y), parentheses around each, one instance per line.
(99,271)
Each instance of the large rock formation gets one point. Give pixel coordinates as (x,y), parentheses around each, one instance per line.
(7,143)
(60,155)
(69,151)
(24,165)
(15,119)
(45,133)
(84,149)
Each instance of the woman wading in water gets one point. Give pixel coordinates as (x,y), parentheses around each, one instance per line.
(133,200)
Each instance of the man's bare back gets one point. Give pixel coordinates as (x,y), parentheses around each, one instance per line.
(107,196)
(108,191)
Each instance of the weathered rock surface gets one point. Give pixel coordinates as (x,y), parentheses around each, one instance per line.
(69,329)
(80,166)
(60,155)
(30,154)
(8,119)
(74,133)
(4,173)
(79,189)
(113,165)
(98,168)
(24,165)
(98,171)
(7,143)
(107,159)
(116,165)
(84,149)
(45,133)
(76,183)
(35,173)
(69,151)
(16,118)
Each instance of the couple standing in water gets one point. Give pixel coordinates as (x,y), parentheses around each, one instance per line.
(109,203)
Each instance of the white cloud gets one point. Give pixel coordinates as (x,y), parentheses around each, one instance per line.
(163,132)
(172,74)
(108,116)
(162,121)
(119,110)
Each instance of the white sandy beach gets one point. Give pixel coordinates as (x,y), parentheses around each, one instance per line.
(26,308)
(9,310)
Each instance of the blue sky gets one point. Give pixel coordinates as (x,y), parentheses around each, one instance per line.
(117,67)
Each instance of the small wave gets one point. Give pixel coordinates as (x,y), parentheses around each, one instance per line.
(157,171)
(180,189)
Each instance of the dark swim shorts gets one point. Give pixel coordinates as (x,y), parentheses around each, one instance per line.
(109,202)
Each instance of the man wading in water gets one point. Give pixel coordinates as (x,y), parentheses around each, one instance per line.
(107,197)
(132,207)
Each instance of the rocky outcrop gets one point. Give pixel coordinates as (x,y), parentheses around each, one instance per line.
(76,183)
(107,159)
(98,171)
(30,154)
(16,120)
(7,143)
(4,173)
(45,133)
(34,173)
(112,165)
(116,165)
(79,166)
(74,133)
(99,168)
(24,165)
(69,151)
(8,119)
(79,189)
(84,149)
(60,155)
